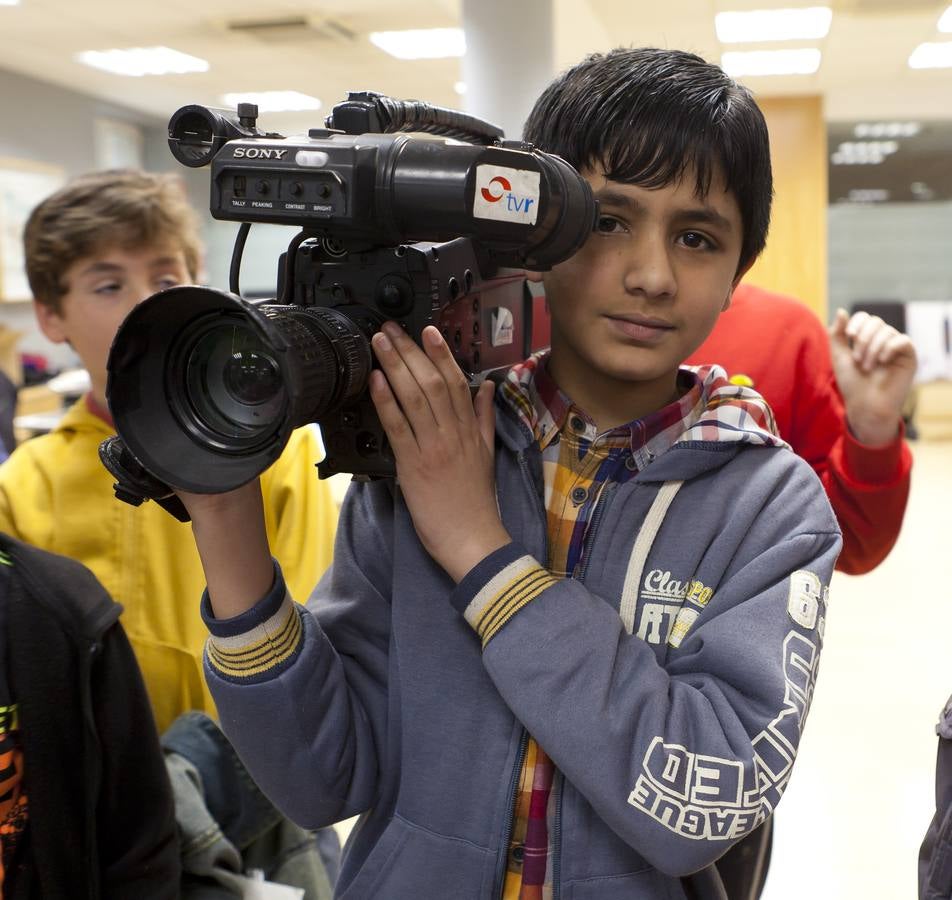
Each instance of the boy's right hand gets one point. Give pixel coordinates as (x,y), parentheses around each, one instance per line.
(229,531)
(443,441)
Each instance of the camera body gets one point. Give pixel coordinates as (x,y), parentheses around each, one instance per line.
(206,386)
(484,322)
(387,172)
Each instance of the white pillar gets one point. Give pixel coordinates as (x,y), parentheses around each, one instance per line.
(509,59)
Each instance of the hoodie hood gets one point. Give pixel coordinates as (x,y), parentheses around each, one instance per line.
(731,413)
(47,577)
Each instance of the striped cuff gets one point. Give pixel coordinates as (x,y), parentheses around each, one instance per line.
(495,590)
(260,643)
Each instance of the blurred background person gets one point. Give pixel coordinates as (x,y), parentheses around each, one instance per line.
(93,250)
(837,397)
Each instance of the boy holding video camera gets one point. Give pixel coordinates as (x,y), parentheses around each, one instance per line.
(94,249)
(572,649)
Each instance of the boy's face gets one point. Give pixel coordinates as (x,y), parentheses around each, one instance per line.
(642,293)
(100,291)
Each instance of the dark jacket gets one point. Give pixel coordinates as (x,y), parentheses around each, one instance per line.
(935,855)
(101,818)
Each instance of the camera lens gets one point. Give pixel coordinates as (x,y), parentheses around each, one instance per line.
(233,383)
(252,377)
(205,387)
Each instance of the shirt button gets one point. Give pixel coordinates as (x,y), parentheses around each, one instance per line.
(518,853)
(579,494)
(631,464)
(577,423)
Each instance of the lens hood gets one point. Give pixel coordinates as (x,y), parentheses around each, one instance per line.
(162,382)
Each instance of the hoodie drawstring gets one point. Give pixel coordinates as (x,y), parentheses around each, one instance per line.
(639,553)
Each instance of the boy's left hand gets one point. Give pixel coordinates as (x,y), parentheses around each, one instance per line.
(874,366)
(442,439)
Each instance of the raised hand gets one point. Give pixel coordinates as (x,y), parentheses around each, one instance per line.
(442,439)
(874,366)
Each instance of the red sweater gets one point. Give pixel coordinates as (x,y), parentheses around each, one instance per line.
(781,345)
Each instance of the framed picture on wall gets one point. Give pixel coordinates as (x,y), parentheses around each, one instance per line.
(23,184)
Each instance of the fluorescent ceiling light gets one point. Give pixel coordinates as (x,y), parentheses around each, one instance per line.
(887,129)
(422,43)
(138,61)
(932,56)
(272,101)
(945,20)
(771,62)
(9,2)
(773,25)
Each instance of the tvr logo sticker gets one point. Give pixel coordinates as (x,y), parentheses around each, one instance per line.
(506,194)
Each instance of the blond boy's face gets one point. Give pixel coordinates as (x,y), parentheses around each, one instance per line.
(101,291)
(642,294)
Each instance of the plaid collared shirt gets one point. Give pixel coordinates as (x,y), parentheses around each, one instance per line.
(577,463)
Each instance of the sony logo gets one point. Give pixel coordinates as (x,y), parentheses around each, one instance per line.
(259,153)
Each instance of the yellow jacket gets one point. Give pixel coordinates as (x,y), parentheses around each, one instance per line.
(56,494)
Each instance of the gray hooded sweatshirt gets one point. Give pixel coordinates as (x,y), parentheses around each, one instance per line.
(669,681)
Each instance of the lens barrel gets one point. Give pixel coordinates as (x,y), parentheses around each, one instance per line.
(205,387)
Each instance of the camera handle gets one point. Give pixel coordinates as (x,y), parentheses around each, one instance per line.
(134,484)
(370,111)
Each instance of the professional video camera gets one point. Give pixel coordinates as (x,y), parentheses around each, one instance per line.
(407,212)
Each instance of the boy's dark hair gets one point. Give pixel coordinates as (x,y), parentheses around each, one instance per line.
(123,208)
(647,115)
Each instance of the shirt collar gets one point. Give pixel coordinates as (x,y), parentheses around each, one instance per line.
(546,411)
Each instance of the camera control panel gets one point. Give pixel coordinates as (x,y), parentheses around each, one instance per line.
(271,195)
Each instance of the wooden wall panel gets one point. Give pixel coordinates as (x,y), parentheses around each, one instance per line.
(795,260)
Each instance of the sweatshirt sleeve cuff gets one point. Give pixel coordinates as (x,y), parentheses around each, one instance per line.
(875,465)
(258,644)
(493,591)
